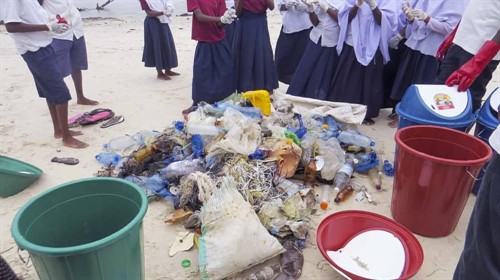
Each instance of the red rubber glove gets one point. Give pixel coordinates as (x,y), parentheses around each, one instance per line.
(60,19)
(468,73)
(446,44)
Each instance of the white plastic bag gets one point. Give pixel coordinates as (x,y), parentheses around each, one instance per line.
(233,237)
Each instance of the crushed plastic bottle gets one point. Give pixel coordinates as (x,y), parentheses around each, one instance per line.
(344,174)
(363,158)
(203,129)
(286,185)
(179,125)
(151,185)
(197,145)
(252,112)
(388,169)
(108,159)
(183,167)
(354,138)
(266,273)
(302,130)
(121,144)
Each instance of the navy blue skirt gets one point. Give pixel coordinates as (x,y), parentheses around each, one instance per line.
(288,52)
(415,68)
(253,55)
(229,29)
(359,84)
(390,72)
(314,74)
(213,78)
(159,47)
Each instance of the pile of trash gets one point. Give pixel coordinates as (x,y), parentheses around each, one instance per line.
(233,170)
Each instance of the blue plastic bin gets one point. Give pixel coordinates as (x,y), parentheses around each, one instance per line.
(487,122)
(437,105)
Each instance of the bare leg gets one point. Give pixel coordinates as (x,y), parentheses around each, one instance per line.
(169,72)
(161,75)
(59,115)
(76,75)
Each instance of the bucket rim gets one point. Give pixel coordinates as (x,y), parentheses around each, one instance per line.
(462,122)
(396,226)
(474,162)
(24,244)
(38,173)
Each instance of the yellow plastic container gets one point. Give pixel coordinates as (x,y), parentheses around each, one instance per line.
(260,99)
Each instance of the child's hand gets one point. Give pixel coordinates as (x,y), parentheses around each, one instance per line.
(168,11)
(57,28)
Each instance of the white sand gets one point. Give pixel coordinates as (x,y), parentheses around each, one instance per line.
(118,79)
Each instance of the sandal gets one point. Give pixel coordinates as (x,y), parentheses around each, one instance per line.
(114,120)
(368,122)
(65,160)
(96,116)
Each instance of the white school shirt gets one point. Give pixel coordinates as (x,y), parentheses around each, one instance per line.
(327,29)
(66,9)
(26,11)
(480,22)
(160,6)
(293,20)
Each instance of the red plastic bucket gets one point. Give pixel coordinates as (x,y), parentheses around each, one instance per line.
(336,230)
(435,169)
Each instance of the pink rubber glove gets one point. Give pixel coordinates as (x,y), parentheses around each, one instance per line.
(468,73)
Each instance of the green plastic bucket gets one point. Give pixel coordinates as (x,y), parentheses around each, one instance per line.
(16,175)
(85,229)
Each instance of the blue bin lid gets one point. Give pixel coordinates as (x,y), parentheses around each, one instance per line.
(436,105)
(488,113)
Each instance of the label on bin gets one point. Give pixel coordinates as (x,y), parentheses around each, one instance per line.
(495,100)
(443,100)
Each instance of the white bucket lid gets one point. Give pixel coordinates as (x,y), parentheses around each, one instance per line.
(495,100)
(443,100)
(373,254)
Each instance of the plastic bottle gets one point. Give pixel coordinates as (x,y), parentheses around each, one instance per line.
(203,129)
(108,159)
(344,174)
(286,185)
(120,144)
(376,177)
(363,158)
(388,169)
(251,112)
(181,168)
(344,194)
(357,149)
(197,145)
(145,152)
(356,139)
(325,197)
(266,273)
(179,125)
(150,185)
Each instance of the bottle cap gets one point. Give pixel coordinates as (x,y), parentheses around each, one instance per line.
(323,205)
(186,263)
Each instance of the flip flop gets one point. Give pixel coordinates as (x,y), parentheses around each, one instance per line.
(96,116)
(75,120)
(114,120)
(65,160)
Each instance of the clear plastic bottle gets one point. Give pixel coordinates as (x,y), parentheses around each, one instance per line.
(183,167)
(251,112)
(203,129)
(344,194)
(354,138)
(121,143)
(325,197)
(344,174)
(286,185)
(266,273)
(376,177)
(108,159)
(363,158)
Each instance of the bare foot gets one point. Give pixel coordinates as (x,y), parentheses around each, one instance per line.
(58,135)
(163,77)
(74,143)
(394,123)
(171,73)
(86,101)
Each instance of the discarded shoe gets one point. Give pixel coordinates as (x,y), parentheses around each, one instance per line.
(65,160)
(114,120)
(92,117)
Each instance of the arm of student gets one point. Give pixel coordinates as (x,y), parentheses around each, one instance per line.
(151,13)
(239,7)
(314,18)
(377,14)
(334,14)
(353,12)
(441,27)
(18,27)
(204,18)
(270,4)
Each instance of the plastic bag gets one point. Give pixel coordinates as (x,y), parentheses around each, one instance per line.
(231,230)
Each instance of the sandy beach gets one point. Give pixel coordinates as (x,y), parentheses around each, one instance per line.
(119,81)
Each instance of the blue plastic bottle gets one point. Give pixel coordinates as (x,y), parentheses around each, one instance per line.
(388,169)
(108,159)
(251,112)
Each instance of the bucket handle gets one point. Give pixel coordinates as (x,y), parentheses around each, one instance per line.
(481,132)
(474,177)
(27,261)
(475,116)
